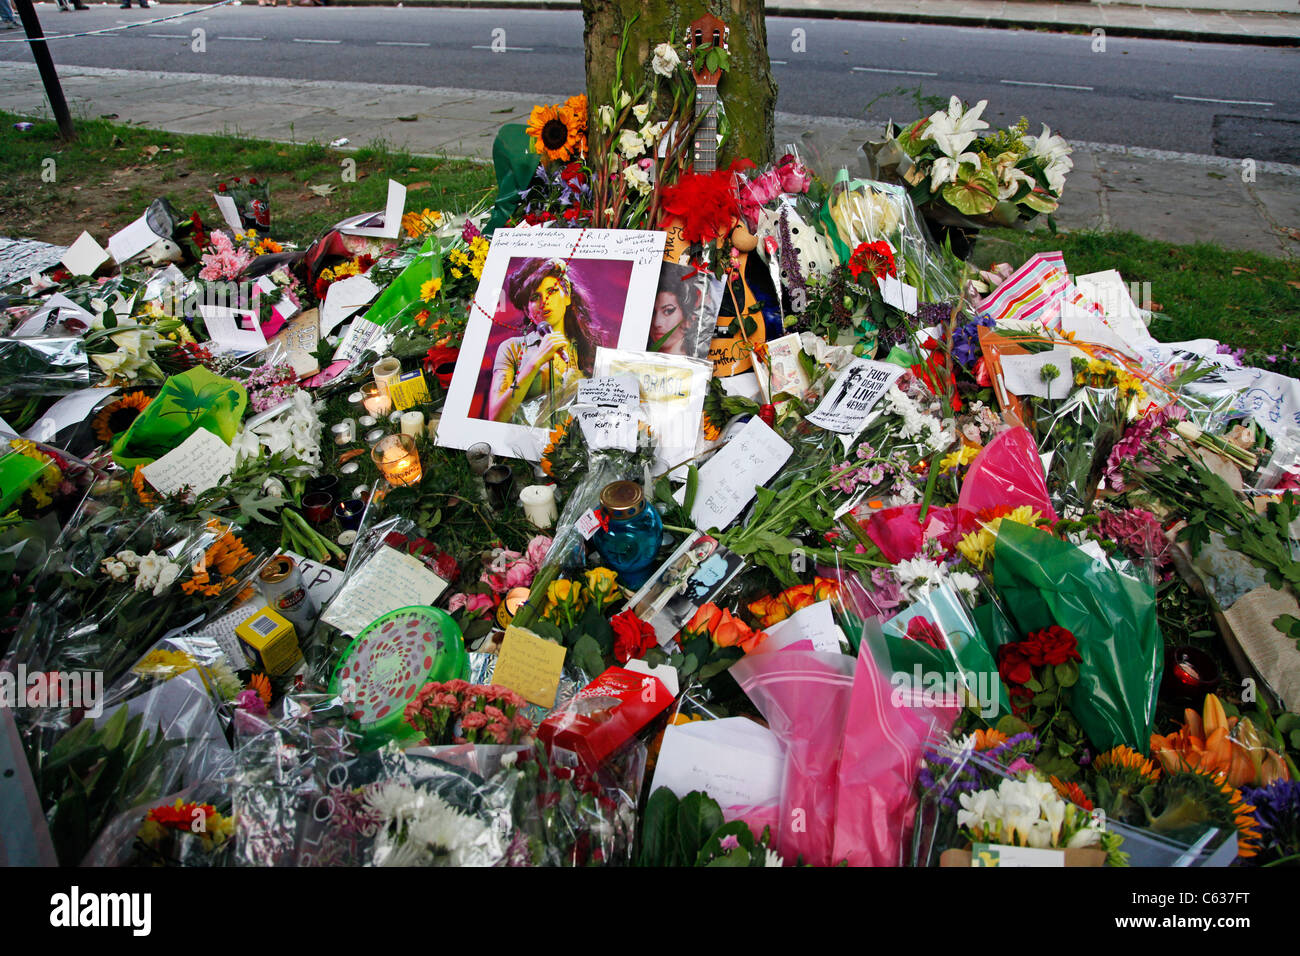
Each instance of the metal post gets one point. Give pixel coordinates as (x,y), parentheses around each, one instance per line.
(45,63)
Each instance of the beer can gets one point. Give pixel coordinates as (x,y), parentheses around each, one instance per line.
(281,584)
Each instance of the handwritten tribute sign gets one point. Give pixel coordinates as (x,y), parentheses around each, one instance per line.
(728,480)
(845,408)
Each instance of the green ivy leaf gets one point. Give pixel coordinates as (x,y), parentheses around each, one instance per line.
(659,829)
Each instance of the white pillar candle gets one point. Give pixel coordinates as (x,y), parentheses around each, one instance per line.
(539,504)
(412,423)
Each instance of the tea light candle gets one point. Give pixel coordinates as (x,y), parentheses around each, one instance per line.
(377,401)
(374,435)
(386,372)
(348,468)
(539,504)
(355,398)
(345,432)
(367,421)
(397,460)
(412,423)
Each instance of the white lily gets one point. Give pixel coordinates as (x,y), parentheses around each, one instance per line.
(641,111)
(630,144)
(954,130)
(665,60)
(1054,152)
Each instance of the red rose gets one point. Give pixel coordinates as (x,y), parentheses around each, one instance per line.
(632,636)
(1013,666)
(767,414)
(924,630)
(1057,645)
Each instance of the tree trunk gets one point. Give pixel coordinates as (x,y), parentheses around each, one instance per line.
(747,89)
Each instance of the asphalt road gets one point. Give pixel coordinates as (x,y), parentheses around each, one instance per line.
(1224,99)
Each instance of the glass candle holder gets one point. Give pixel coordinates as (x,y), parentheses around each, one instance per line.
(412,423)
(349,513)
(479,456)
(397,460)
(377,401)
(317,506)
(386,372)
(631,542)
(345,432)
(500,482)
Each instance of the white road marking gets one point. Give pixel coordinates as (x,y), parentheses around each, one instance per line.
(1206,99)
(245,39)
(401,43)
(520,49)
(169,36)
(1055,86)
(872,69)
(777,62)
(300,40)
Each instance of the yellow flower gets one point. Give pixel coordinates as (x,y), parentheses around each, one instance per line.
(562,591)
(165,664)
(978,545)
(602,583)
(430,289)
(962,456)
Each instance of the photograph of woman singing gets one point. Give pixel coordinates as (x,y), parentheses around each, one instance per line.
(552,317)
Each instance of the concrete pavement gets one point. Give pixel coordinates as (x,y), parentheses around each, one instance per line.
(1176,197)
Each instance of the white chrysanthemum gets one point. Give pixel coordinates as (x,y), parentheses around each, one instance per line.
(389,800)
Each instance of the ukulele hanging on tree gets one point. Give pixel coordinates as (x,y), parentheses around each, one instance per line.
(703,217)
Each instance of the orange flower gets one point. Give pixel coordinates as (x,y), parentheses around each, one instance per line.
(1212,742)
(1130,759)
(988,739)
(262,685)
(117,416)
(142,491)
(1073,792)
(824,589)
(733,632)
(556,133)
(705,619)
(577,105)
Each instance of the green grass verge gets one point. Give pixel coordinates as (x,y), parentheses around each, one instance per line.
(111,172)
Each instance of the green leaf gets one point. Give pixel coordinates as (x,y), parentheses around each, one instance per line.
(737,857)
(659,830)
(548,630)
(1067,674)
(586,655)
(713,848)
(698,816)
(692,486)
(1011,726)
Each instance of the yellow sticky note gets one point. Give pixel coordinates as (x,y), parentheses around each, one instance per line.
(530,665)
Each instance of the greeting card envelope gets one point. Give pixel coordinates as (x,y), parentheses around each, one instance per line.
(734,760)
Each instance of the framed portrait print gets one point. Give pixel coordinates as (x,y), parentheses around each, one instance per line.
(547,299)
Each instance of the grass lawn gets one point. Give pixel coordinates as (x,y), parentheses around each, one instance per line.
(108,177)
(112,172)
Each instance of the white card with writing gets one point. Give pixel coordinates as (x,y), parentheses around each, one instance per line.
(380,225)
(609,390)
(1023,374)
(728,479)
(814,623)
(736,761)
(388,581)
(844,409)
(84,256)
(343,298)
(233,330)
(199,462)
(588,523)
(607,427)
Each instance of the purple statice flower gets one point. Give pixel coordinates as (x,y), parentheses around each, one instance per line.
(1277,809)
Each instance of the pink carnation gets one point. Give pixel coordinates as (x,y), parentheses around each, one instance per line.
(520,575)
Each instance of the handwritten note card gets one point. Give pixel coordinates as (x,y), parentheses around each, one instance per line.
(200,462)
(529,665)
(233,330)
(845,408)
(728,479)
(388,581)
(734,760)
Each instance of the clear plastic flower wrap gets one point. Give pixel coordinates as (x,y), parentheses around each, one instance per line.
(1079,434)
(193,827)
(44,366)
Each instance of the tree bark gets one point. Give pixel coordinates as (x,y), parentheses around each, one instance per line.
(747,89)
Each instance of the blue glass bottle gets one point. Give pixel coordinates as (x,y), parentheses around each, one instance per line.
(635,531)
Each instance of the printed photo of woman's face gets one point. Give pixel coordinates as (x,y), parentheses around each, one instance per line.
(669,319)
(548,302)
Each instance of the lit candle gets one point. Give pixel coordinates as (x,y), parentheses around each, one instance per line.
(397,460)
(412,423)
(539,504)
(386,372)
(377,401)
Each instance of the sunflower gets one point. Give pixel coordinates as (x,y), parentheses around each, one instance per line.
(116,417)
(1196,796)
(1073,792)
(556,133)
(1124,761)
(142,491)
